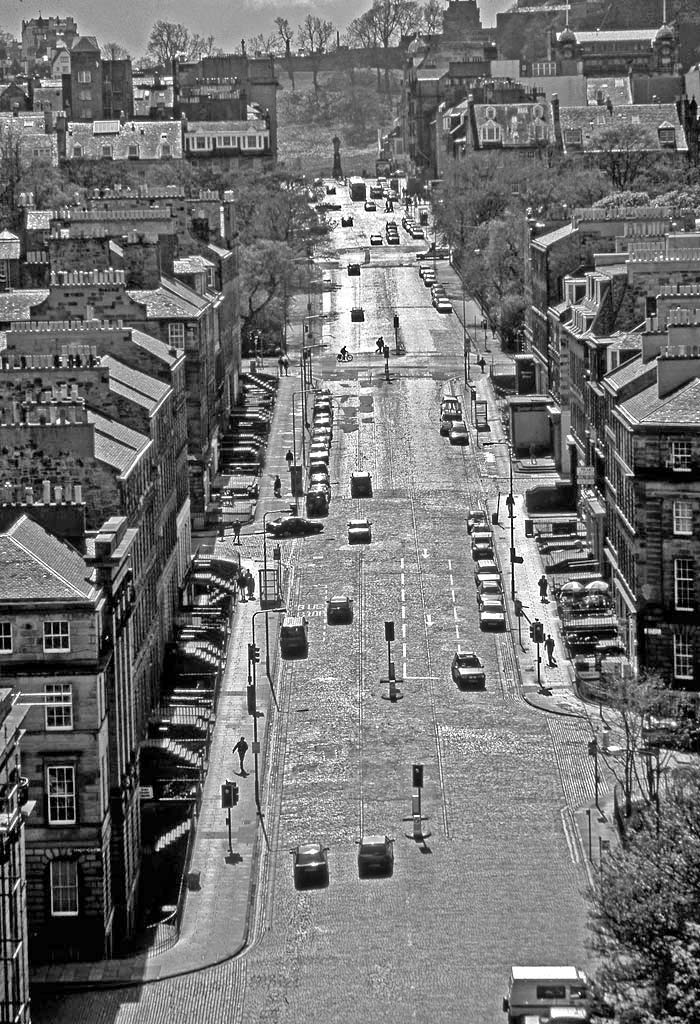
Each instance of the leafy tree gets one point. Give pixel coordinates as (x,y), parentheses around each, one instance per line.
(627,198)
(645,910)
(113,51)
(363,33)
(315,35)
(623,152)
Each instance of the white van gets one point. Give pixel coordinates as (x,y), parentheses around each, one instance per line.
(534,991)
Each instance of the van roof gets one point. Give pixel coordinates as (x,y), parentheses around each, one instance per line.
(555,973)
(293,621)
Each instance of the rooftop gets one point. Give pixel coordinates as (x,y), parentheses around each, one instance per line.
(36,566)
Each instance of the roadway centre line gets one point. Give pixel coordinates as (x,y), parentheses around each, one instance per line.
(403,618)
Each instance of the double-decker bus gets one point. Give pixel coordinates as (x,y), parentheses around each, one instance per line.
(358,189)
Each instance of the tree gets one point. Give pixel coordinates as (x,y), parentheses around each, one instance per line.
(393,18)
(262,44)
(314,36)
(623,152)
(13,164)
(363,33)
(169,41)
(113,51)
(644,916)
(431,17)
(286,34)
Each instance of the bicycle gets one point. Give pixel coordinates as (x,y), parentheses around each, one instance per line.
(344,357)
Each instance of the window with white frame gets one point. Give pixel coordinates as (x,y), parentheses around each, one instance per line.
(680,454)
(252,142)
(57,635)
(176,335)
(200,142)
(682,656)
(684,583)
(490,132)
(682,518)
(133,152)
(60,785)
(5,638)
(58,699)
(63,883)
(84,77)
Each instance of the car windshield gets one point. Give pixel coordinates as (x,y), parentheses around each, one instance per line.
(309,854)
(467,661)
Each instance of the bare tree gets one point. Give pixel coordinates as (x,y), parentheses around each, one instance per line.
(113,51)
(286,34)
(314,36)
(363,33)
(623,152)
(393,18)
(431,17)
(169,41)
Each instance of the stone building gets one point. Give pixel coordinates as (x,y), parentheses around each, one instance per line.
(15,808)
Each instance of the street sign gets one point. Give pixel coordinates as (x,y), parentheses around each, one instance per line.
(585,476)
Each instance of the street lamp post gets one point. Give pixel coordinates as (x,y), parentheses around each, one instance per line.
(510,502)
(465,337)
(263,588)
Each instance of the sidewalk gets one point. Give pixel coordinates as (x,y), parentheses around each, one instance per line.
(217,910)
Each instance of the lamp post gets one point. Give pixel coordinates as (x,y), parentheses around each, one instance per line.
(510,502)
(295,395)
(263,588)
(465,339)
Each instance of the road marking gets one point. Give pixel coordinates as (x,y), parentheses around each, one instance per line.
(425,552)
(570,834)
(428,620)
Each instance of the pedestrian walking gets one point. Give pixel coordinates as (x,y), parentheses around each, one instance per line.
(380,344)
(482,364)
(236,531)
(241,583)
(250,584)
(277,487)
(241,748)
(280,363)
(484,323)
(549,648)
(532,453)
(543,584)
(285,364)
(290,458)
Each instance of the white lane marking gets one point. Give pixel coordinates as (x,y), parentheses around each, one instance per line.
(569,834)
(428,620)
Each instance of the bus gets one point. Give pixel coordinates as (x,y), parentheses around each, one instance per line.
(358,189)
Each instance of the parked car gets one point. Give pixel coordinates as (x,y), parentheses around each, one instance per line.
(375,192)
(310,864)
(330,190)
(492,615)
(429,278)
(417,231)
(292,526)
(443,305)
(468,669)
(375,240)
(393,239)
(434,253)
(486,569)
(445,426)
(475,517)
(346,222)
(425,268)
(317,500)
(375,854)
(339,609)
(459,434)
(437,289)
(353,269)
(451,408)
(489,590)
(370,206)
(482,548)
(360,484)
(359,531)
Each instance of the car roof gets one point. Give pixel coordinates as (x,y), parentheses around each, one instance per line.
(465,654)
(358,522)
(373,840)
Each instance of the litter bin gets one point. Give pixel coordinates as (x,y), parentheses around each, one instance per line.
(529,532)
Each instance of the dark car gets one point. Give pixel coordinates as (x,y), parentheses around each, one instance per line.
(459,434)
(468,669)
(339,608)
(292,526)
(375,855)
(346,222)
(310,864)
(359,531)
(353,270)
(476,517)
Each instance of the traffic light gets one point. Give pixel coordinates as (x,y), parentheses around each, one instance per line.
(537,632)
(389,632)
(253,654)
(250,699)
(518,606)
(229,794)
(515,559)
(418,776)
(593,747)
(396,321)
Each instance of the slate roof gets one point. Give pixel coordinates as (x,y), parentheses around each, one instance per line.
(192,265)
(207,127)
(521,124)
(554,236)
(680,408)
(172,299)
(615,88)
(38,220)
(146,391)
(85,44)
(625,373)
(36,566)
(155,346)
(116,445)
(149,136)
(17,305)
(591,120)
